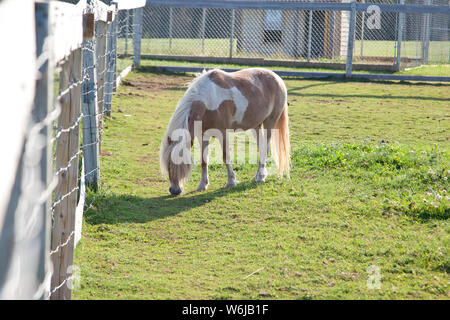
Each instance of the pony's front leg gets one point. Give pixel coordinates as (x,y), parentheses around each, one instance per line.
(263,143)
(203,185)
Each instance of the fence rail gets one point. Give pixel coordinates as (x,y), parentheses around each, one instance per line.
(75,56)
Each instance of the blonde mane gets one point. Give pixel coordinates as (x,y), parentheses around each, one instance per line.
(179,120)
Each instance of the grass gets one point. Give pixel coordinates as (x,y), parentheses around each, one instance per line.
(369,187)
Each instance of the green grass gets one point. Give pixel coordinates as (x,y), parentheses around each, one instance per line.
(369,186)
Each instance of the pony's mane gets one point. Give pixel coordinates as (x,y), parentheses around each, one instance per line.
(179,120)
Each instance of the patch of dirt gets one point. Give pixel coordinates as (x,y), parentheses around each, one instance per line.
(163,83)
(107,154)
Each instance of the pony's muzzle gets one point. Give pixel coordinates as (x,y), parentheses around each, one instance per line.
(174,190)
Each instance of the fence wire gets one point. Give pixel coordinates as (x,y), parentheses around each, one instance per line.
(98,81)
(65,137)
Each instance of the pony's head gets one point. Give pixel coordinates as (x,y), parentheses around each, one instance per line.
(176,159)
(175,153)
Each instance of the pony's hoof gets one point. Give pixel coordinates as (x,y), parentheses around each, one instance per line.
(259,179)
(202,187)
(231,184)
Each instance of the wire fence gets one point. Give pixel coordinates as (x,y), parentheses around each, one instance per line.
(298,31)
(77,73)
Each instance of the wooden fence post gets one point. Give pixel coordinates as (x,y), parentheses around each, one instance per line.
(351,38)
(66,193)
(89,108)
(101,29)
(114,35)
(109,78)
(137,36)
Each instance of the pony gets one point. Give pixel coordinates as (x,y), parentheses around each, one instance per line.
(216,100)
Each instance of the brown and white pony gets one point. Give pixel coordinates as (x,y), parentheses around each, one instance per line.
(246,99)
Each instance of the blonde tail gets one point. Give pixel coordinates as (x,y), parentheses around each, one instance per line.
(281,149)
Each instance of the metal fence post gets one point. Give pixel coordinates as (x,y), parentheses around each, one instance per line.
(127,27)
(426,36)
(232,33)
(401,22)
(308,55)
(202,29)
(137,36)
(351,37)
(363,16)
(170,27)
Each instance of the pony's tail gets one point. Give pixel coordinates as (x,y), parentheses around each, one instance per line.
(281,145)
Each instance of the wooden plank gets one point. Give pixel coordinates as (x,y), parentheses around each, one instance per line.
(27,163)
(43,106)
(67,190)
(66,27)
(17,84)
(130,4)
(100,10)
(122,75)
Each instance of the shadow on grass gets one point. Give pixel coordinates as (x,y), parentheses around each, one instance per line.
(112,209)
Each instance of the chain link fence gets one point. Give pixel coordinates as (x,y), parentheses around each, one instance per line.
(297,35)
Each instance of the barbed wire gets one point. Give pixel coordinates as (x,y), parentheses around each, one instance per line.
(102,71)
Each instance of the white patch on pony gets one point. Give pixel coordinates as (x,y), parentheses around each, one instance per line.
(213,95)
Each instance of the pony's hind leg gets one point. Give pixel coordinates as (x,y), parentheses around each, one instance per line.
(263,143)
(231,181)
(203,185)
